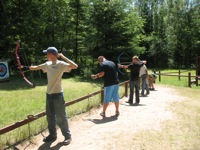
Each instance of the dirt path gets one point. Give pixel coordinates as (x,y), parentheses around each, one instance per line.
(91,132)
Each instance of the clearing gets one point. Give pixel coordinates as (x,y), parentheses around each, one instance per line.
(90,131)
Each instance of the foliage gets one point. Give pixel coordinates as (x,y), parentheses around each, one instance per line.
(164,32)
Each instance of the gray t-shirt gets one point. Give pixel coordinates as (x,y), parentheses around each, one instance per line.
(143,70)
(54,75)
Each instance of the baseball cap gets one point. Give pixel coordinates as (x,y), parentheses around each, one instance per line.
(52,50)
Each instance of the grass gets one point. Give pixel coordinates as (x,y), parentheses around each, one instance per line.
(181,133)
(174,80)
(18,100)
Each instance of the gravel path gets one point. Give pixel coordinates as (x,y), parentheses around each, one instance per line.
(91,132)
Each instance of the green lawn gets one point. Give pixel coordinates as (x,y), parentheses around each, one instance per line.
(18,100)
(174,80)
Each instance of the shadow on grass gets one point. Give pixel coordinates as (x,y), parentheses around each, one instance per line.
(16,83)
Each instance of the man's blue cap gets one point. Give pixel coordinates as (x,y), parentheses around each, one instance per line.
(52,50)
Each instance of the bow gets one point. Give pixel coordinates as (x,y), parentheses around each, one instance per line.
(120,62)
(20,66)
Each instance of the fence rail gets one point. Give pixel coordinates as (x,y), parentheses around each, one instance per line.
(31,118)
(189,76)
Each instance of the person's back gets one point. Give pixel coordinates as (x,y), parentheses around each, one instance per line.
(108,71)
(143,74)
(143,70)
(111,76)
(54,75)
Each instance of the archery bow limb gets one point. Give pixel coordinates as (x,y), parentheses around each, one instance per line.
(120,62)
(125,73)
(20,66)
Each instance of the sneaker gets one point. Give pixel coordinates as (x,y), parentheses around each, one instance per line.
(50,138)
(67,141)
(142,95)
(117,113)
(152,89)
(103,114)
(148,93)
(128,102)
(136,103)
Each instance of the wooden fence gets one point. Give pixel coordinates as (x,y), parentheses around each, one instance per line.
(178,74)
(31,118)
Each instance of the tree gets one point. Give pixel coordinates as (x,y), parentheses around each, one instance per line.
(113,28)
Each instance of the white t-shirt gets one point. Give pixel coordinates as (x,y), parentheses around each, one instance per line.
(143,70)
(54,75)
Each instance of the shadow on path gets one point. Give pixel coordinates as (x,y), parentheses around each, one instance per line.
(103,120)
(127,104)
(47,146)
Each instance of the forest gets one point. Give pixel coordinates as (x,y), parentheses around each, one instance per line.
(166,33)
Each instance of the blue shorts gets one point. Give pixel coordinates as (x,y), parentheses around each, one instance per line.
(111,93)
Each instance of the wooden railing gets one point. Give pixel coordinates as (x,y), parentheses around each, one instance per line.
(31,118)
(178,74)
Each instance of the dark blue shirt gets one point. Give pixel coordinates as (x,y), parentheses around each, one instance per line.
(110,77)
(135,70)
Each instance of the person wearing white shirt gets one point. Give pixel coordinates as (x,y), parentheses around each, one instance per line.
(144,75)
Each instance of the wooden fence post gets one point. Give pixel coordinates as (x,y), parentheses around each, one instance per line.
(179,73)
(159,75)
(189,79)
(196,78)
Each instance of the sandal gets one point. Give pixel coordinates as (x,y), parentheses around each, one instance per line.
(117,113)
(103,114)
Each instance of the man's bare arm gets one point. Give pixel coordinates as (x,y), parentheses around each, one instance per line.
(72,64)
(98,75)
(34,68)
(123,66)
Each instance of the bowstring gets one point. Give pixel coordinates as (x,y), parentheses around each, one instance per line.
(25,60)
(120,63)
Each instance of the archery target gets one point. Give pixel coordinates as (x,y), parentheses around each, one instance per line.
(4,71)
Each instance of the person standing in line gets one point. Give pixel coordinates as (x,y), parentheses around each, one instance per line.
(55,104)
(144,76)
(134,78)
(108,70)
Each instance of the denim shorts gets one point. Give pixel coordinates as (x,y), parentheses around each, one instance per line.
(111,93)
